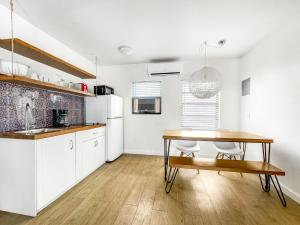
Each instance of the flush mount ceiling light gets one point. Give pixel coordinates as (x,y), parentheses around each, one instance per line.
(125,50)
(205,83)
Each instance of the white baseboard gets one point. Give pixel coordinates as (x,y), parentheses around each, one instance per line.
(287,191)
(293,195)
(161,153)
(144,152)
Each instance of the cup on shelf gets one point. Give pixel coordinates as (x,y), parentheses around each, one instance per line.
(65,84)
(35,76)
(48,79)
(61,82)
(45,78)
(81,86)
(71,84)
(91,89)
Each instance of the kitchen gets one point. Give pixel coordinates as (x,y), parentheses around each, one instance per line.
(85,120)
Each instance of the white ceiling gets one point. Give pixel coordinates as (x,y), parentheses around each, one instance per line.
(156,29)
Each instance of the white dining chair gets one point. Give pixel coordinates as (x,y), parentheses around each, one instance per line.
(228,150)
(188,148)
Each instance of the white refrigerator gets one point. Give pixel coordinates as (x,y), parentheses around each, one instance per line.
(108,109)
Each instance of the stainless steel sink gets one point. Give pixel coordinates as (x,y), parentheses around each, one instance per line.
(37,131)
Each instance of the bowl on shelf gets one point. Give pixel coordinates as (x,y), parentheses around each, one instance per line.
(34,76)
(65,84)
(18,68)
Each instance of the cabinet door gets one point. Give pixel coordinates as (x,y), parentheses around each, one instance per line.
(100,151)
(88,156)
(91,155)
(57,156)
(90,151)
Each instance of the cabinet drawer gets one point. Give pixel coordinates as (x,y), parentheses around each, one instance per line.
(90,134)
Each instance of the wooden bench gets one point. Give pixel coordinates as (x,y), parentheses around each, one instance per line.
(241,166)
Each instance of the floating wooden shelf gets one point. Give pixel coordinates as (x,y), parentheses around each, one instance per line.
(34,53)
(40,84)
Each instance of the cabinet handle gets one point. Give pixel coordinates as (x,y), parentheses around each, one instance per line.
(95,143)
(72,145)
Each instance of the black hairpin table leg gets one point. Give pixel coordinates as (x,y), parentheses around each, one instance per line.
(266,184)
(278,190)
(266,157)
(165,158)
(171,179)
(167,144)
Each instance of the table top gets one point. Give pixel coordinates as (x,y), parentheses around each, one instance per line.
(218,135)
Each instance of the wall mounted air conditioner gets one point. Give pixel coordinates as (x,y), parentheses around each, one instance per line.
(164,69)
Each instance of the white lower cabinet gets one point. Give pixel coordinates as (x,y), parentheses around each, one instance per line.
(56,167)
(90,149)
(34,173)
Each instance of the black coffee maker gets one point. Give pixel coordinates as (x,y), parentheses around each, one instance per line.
(60,118)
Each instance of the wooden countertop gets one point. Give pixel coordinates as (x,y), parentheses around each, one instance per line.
(64,130)
(218,135)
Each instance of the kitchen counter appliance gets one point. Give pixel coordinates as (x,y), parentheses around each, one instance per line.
(103,90)
(60,118)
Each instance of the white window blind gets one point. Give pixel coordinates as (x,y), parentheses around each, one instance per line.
(146,89)
(199,113)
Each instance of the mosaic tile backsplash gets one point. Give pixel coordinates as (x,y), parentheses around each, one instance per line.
(13,100)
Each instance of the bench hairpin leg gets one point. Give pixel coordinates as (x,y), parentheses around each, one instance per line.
(278,190)
(266,187)
(170,180)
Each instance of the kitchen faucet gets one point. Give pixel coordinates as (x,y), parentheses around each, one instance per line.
(27,115)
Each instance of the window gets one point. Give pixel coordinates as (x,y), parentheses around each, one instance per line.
(199,113)
(146,89)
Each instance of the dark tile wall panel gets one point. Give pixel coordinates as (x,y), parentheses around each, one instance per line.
(13,99)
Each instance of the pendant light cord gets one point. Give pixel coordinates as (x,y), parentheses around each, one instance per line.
(96,80)
(205,56)
(96,62)
(12,35)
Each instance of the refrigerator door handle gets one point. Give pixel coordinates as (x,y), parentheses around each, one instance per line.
(119,117)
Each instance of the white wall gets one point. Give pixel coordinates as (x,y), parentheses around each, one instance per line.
(273,107)
(143,133)
(42,40)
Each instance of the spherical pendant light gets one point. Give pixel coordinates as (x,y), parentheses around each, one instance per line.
(205,83)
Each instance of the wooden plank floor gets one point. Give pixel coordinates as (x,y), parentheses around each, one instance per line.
(130,191)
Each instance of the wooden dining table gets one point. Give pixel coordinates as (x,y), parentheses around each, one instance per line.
(263,168)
